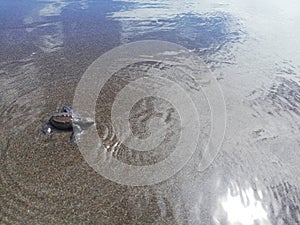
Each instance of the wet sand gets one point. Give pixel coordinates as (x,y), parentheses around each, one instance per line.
(45,179)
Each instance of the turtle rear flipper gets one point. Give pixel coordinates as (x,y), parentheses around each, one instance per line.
(73,139)
(47,129)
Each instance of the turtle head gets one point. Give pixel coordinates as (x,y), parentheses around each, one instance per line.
(66,109)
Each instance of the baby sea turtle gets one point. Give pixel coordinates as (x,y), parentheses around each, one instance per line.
(64,121)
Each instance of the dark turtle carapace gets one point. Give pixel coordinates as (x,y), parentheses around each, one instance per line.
(61,120)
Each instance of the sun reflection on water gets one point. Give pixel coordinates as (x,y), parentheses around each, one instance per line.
(242,207)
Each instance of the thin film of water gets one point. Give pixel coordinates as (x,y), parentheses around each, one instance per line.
(46,46)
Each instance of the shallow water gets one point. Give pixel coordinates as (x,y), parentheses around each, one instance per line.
(252,49)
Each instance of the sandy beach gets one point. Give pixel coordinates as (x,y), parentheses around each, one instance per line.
(46,49)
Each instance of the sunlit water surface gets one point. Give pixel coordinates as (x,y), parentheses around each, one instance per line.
(253,50)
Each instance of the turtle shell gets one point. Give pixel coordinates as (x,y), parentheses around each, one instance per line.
(62,121)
